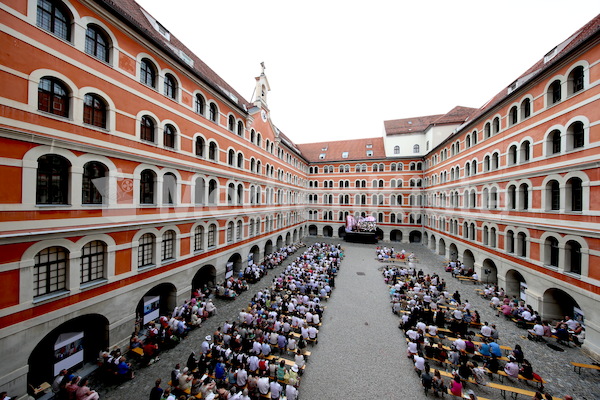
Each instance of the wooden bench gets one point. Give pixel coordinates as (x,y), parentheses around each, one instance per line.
(186,391)
(467,279)
(37,391)
(137,351)
(577,367)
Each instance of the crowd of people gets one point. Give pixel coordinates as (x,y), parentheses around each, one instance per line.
(264,350)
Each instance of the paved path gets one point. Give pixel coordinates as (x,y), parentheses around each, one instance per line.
(361,351)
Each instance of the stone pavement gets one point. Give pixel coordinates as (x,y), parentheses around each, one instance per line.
(361,352)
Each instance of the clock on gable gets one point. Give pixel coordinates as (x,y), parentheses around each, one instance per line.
(263,114)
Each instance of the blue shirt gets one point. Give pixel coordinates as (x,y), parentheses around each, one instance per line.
(484,349)
(495,349)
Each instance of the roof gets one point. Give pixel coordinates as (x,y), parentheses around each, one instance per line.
(356,149)
(457,115)
(549,60)
(133,14)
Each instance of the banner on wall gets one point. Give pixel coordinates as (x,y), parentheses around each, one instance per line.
(68,351)
(151,308)
(578,315)
(522,291)
(229,270)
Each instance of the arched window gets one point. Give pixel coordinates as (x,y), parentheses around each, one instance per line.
(576,135)
(416,149)
(147,129)
(93,257)
(212,236)
(576,80)
(94,110)
(200,145)
(231,123)
(554,92)
(574,190)
(396,149)
(510,242)
(552,251)
(240,160)
(522,244)
(148,73)
(514,115)
(554,142)
(199,238)
(229,232)
(147,187)
(573,257)
(169,136)
(487,130)
(238,230)
(199,191)
(96,43)
(213,151)
(50,271)
(199,104)
(240,128)
(525,151)
(167,248)
(512,155)
(213,112)
(212,192)
(496,125)
(93,183)
(53,17)
(170,86)
(525,109)
(52,185)
(554,195)
(169,188)
(146,251)
(53,97)
(231,157)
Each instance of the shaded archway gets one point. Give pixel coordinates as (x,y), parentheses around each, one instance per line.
(295,236)
(254,255)
(233,266)
(489,272)
(468,259)
(268,247)
(415,237)
(342,231)
(453,250)
(160,300)
(433,243)
(301,233)
(205,277)
(515,284)
(557,303)
(379,234)
(312,230)
(426,239)
(442,247)
(288,238)
(69,346)
(396,235)
(327,231)
(279,242)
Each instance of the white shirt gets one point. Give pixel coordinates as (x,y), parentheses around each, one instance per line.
(460,344)
(263,385)
(419,363)
(486,331)
(275,389)
(291,393)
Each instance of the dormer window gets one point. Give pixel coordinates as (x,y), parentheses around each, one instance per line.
(369,153)
(369,146)
(322,156)
(345,154)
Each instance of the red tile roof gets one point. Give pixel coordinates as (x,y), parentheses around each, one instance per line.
(554,56)
(131,13)
(356,148)
(457,115)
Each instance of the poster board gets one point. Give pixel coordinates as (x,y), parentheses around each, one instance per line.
(578,315)
(68,351)
(229,270)
(151,308)
(523,288)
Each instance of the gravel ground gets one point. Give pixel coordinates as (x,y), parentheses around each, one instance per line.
(361,351)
